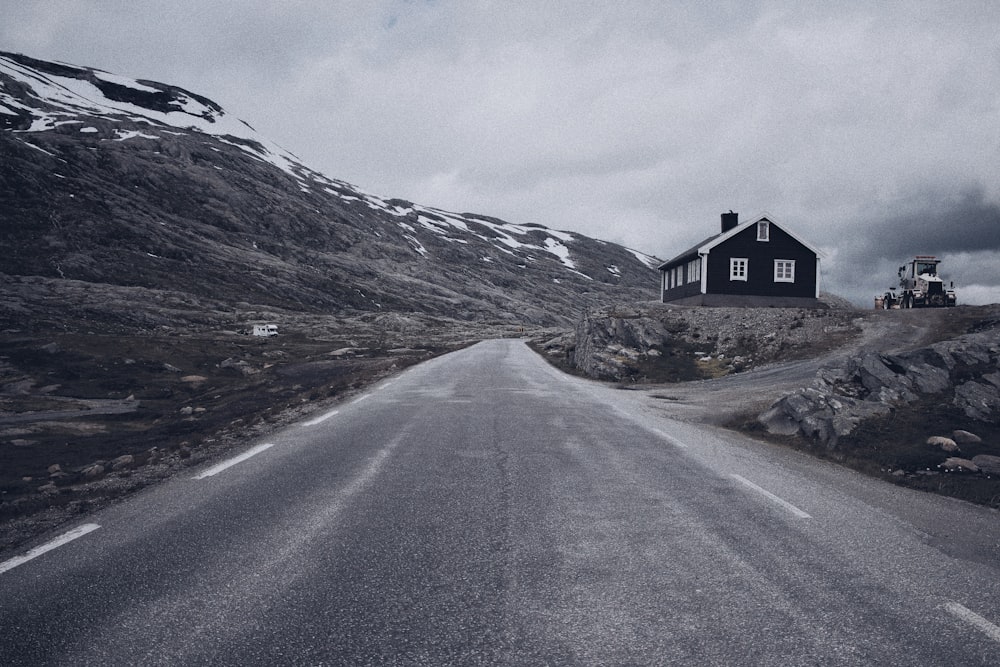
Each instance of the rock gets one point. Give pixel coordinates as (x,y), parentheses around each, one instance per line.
(887,382)
(958,464)
(945,444)
(194,379)
(54,468)
(93,471)
(241,365)
(123,462)
(171,368)
(965,437)
(48,488)
(978,400)
(987,463)
(51,348)
(187,410)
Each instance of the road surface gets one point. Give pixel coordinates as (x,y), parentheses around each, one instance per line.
(483,508)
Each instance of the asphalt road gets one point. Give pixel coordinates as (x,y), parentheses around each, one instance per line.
(483,508)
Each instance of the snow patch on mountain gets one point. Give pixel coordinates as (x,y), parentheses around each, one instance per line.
(65,97)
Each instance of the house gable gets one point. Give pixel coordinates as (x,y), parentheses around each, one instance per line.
(742,262)
(758,262)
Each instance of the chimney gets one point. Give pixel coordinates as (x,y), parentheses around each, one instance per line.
(730,220)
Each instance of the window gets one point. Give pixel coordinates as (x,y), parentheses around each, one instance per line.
(738,268)
(763,230)
(694,271)
(784,270)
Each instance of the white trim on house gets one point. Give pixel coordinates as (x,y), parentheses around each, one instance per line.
(818,274)
(722,238)
(739,267)
(703,259)
(764,229)
(784,270)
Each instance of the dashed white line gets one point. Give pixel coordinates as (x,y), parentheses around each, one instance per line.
(360,398)
(216,469)
(79,531)
(767,494)
(322,418)
(670,439)
(974,619)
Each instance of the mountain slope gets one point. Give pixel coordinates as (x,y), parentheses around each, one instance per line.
(137,184)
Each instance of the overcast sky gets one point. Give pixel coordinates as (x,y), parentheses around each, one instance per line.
(871,129)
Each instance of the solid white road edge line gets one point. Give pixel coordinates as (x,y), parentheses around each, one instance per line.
(784,503)
(79,531)
(974,619)
(216,469)
(360,398)
(670,439)
(321,418)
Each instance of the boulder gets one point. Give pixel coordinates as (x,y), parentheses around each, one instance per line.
(978,400)
(123,462)
(93,471)
(943,443)
(965,437)
(958,464)
(987,463)
(872,384)
(874,372)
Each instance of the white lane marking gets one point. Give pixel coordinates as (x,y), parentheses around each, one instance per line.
(974,619)
(322,418)
(360,398)
(79,531)
(670,439)
(216,469)
(784,503)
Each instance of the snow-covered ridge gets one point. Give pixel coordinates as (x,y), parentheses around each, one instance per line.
(37,97)
(65,93)
(506,236)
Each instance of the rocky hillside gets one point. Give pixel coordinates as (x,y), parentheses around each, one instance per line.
(961,373)
(655,342)
(106,181)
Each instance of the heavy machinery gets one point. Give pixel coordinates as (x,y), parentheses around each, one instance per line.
(920,286)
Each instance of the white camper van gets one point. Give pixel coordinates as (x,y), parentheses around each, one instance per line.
(266,330)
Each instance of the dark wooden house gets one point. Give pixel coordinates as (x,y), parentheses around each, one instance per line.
(756,263)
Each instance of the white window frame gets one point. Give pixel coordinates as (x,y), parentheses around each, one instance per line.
(784,270)
(694,271)
(763,230)
(739,267)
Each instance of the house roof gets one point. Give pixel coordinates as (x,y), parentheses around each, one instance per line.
(706,246)
(690,252)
